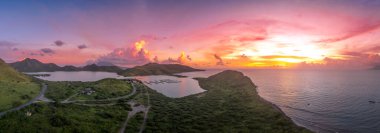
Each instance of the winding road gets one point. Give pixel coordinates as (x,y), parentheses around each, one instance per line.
(40,96)
(146,113)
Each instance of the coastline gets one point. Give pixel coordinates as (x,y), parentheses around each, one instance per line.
(280,110)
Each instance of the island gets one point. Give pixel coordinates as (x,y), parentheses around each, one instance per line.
(158,69)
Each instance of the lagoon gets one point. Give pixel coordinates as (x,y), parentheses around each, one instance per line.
(178,87)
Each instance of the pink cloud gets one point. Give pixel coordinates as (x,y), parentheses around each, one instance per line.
(366,28)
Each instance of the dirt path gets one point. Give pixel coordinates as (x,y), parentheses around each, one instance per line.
(146,113)
(95,105)
(135,110)
(42,93)
(68,99)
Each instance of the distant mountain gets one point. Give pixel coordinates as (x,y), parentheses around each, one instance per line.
(157,69)
(33,65)
(70,68)
(376,68)
(103,63)
(94,67)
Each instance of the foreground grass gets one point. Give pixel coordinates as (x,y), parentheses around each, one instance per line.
(231,104)
(13,94)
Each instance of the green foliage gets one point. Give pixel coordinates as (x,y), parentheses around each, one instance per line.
(61,117)
(48,117)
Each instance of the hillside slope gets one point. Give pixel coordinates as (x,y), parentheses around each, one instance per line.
(15,87)
(9,74)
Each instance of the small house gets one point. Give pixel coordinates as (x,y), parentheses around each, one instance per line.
(87,91)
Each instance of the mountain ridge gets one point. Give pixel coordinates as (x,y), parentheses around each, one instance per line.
(33,65)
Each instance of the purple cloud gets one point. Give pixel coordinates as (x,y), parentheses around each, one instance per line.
(47,51)
(220,60)
(59,43)
(83,46)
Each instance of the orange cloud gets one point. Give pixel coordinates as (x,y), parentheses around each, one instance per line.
(130,56)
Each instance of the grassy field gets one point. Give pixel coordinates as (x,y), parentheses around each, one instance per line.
(106,88)
(13,94)
(230,104)
(15,87)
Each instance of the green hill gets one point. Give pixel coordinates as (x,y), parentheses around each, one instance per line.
(230,105)
(15,87)
(157,69)
(9,74)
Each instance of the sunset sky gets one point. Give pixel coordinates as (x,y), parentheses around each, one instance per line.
(206,34)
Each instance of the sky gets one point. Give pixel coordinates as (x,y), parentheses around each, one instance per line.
(299,34)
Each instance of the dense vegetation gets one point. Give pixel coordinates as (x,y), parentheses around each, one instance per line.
(15,87)
(82,117)
(52,118)
(231,104)
(106,88)
(157,69)
(33,65)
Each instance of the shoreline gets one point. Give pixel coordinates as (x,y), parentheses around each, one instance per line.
(280,110)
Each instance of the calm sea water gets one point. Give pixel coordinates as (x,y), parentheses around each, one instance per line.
(323,101)
(183,87)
